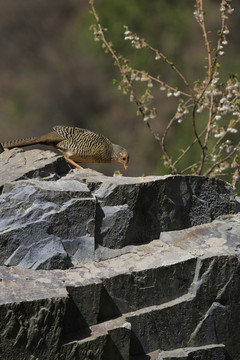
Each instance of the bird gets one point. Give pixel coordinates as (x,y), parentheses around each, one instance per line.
(77,145)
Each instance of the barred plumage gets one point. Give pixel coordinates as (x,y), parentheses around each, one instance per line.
(78,145)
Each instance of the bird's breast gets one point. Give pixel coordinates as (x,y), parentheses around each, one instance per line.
(86,155)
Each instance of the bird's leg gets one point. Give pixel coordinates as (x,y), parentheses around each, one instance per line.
(72,162)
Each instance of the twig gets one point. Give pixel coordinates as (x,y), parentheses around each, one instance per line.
(222,160)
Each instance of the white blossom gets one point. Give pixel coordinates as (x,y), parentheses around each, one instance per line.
(215,80)
(232,130)
(144,78)
(219,134)
(224,108)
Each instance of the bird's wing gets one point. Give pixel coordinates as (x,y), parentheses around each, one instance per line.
(68,131)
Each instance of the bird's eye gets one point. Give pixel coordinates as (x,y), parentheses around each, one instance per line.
(124,158)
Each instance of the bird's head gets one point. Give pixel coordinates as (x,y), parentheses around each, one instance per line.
(120,155)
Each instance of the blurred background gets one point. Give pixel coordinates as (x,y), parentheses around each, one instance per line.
(53,73)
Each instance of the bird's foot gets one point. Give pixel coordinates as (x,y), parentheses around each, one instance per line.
(72,162)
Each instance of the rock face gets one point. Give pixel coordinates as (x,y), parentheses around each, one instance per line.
(179,293)
(53,218)
(155,276)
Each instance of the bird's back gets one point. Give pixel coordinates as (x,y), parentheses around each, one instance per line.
(84,145)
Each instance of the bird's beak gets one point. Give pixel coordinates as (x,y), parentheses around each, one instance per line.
(125,166)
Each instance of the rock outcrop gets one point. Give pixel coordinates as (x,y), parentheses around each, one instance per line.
(94,267)
(53,218)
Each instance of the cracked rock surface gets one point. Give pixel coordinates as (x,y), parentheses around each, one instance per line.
(53,217)
(155,299)
(154,275)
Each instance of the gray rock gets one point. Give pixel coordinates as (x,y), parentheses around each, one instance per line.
(128,205)
(46,225)
(208,352)
(166,280)
(179,294)
(56,218)
(17,164)
(237,203)
(49,252)
(109,341)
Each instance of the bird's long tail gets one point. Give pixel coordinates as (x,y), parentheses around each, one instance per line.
(49,139)
(20,142)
